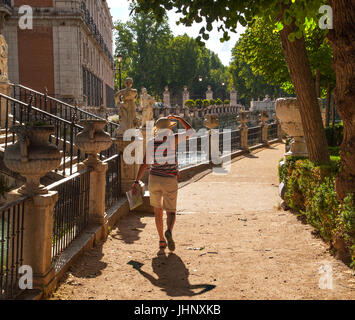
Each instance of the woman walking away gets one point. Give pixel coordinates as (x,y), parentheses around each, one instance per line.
(163,174)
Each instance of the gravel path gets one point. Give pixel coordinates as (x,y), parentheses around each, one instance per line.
(247,247)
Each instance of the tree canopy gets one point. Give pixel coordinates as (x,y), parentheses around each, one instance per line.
(260,47)
(154,58)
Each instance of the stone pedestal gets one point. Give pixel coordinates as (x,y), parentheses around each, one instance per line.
(38,234)
(244,137)
(186,112)
(4,89)
(264,133)
(128,171)
(185,95)
(243,118)
(264,127)
(97,196)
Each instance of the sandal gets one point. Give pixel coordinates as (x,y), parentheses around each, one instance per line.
(169,237)
(162,244)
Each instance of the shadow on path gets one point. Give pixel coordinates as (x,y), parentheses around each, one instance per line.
(129,228)
(90,265)
(172,276)
(251,156)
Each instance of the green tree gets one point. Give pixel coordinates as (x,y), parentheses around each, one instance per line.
(143,43)
(153,57)
(249,84)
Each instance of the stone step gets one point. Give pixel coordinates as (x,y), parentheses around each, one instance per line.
(9,138)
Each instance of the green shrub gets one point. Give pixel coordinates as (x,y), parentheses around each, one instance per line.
(227,102)
(212,102)
(219,102)
(334,151)
(198,103)
(190,103)
(310,190)
(206,103)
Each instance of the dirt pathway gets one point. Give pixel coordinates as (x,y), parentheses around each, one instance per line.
(249,248)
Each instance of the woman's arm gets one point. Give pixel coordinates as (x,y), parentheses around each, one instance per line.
(183,136)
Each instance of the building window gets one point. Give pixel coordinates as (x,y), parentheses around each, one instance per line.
(110,97)
(93,88)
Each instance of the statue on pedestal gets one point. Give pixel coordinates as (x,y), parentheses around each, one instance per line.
(147,104)
(126,101)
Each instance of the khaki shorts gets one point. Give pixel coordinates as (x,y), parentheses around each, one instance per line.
(163,192)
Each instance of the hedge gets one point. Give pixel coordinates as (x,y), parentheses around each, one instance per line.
(310,190)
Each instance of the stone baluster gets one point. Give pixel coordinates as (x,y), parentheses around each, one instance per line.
(93,140)
(243,120)
(264,127)
(211,122)
(186,112)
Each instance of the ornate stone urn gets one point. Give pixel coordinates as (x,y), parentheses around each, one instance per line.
(211,121)
(288,113)
(263,117)
(32,156)
(93,139)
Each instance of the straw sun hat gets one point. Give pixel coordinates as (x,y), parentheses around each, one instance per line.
(164,123)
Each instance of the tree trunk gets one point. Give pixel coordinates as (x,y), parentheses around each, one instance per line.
(342,39)
(333,112)
(318,83)
(327,109)
(302,78)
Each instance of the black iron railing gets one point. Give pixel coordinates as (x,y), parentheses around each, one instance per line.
(56,107)
(6,2)
(254,136)
(11,247)
(113,180)
(235,143)
(272,131)
(71,212)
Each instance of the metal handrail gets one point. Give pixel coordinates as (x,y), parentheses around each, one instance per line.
(63,181)
(41,111)
(75,109)
(20,200)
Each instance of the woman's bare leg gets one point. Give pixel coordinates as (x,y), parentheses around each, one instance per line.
(171,218)
(158,212)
